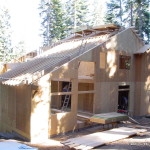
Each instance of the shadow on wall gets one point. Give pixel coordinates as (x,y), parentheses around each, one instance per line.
(40,110)
(59,123)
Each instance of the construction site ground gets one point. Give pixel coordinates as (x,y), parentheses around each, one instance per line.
(139,142)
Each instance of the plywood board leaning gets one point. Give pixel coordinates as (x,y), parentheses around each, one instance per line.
(101,138)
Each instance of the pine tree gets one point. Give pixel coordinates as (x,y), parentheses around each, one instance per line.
(138,16)
(53,26)
(77,13)
(114,12)
(5,35)
(142,18)
(130,13)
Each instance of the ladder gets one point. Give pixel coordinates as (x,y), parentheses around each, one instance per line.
(67,98)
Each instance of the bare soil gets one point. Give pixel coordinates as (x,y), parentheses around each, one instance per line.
(139,142)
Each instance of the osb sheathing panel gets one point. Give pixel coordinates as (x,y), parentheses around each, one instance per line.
(85,102)
(85,87)
(142,78)
(56,102)
(87,56)
(111,72)
(86,68)
(125,40)
(23,108)
(125,43)
(138,67)
(145,68)
(40,110)
(142,99)
(70,70)
(67,71)
(56,86)
(106,97)
(63,122)
(131,98)
(16,110)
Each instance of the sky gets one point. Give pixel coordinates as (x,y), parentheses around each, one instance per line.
(25,22)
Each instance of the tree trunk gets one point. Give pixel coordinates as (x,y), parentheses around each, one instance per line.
(131,7)
(140,21)
(120,12)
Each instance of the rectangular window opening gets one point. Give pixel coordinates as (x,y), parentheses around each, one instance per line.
(60,103)
(124,62)
(61,96)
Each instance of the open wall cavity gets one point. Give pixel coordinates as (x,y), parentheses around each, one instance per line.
(60,96)
(85,102)
(86,73)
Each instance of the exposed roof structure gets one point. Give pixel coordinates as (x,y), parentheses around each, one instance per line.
(56,55)
(51,59)
(87,29)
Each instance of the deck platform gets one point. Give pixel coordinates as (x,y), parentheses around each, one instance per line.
(108,118)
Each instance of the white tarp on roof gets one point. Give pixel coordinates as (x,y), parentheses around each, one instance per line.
(10,145)
(143,49)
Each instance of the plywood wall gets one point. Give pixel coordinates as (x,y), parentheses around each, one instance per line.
(40,110)
(86,68)
(15,104)
(109,76)
(85,102)
(142,84)
(65,121)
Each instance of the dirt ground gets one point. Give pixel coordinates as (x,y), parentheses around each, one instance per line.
(139,142)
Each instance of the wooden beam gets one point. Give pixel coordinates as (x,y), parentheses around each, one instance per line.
(85,92)
(61,93)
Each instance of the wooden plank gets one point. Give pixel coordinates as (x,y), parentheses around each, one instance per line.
(101,138)
(105,118)
(61,93)
(73,145)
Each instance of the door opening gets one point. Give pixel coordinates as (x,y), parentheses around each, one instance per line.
(123,101)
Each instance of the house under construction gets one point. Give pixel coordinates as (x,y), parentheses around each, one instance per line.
(100,69)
